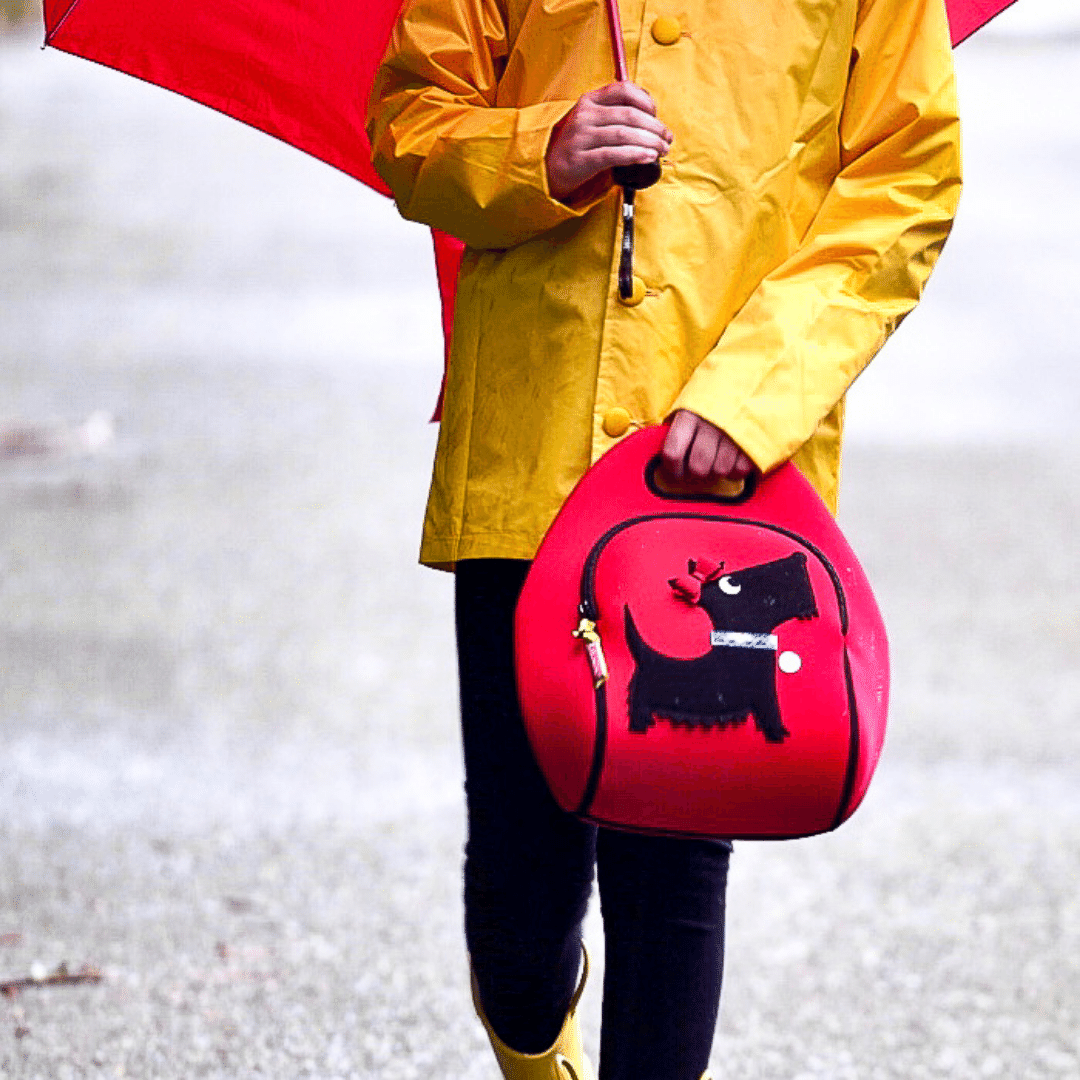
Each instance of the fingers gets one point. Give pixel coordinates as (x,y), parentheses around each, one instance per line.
(680,438)
(615,125)
(605,157)
(628,106)
(603,137)
(698,453)
(624,93)
(702,455)
(730,462)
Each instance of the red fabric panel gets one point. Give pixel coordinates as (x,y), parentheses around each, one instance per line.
(448,252)
(966,16)
(300,70)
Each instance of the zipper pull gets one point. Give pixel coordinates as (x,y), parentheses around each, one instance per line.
(594,650)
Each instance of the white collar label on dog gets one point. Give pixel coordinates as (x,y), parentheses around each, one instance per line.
(735,639)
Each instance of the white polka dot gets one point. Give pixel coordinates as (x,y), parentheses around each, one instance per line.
(789,662)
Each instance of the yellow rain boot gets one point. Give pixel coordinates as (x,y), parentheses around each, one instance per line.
(565,1060)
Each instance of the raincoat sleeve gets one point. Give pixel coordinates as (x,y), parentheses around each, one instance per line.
(789,355)
(451,156)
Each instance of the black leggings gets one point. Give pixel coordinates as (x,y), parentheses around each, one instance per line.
(528,876)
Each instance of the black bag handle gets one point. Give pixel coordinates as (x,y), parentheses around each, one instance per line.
(748,489)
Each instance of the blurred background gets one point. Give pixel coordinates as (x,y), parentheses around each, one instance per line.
(229,776)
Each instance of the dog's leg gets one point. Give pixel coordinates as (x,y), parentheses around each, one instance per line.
(638,706)
(767,716)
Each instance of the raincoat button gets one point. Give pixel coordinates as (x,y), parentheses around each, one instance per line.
(636,296)
(666,30)
(616,422)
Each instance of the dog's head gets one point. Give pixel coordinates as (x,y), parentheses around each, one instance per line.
(759,598)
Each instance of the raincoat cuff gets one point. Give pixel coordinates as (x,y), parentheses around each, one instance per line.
(541,121)
(492,190)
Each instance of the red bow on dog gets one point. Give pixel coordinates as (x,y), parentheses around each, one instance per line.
(688,588)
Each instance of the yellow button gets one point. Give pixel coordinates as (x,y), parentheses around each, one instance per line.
(616,422)
(636,296)
(666,30)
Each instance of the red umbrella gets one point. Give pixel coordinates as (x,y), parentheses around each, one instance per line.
(299,71)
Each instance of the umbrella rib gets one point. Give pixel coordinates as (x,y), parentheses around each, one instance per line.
(52,31)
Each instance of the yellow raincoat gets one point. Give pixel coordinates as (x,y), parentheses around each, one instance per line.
(811,184)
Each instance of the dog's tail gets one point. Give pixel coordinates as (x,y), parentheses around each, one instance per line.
(639,711)
(634,639)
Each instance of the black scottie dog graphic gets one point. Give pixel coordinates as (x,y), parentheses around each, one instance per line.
(737,676)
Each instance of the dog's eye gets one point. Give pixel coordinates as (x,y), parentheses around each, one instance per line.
(728,586)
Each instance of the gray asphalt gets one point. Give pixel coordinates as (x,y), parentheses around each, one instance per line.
(230,778)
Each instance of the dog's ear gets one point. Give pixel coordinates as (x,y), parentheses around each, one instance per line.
(686,588)
(707,569)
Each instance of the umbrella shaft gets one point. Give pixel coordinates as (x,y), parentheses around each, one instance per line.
(626,254)
(616,40)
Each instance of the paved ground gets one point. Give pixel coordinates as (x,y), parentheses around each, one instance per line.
(229,775)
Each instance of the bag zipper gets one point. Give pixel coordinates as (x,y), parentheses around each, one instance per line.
(589,617)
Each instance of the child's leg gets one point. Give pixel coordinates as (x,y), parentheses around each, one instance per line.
(663,905)
(528,865)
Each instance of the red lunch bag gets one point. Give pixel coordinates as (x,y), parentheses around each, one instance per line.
(700,665)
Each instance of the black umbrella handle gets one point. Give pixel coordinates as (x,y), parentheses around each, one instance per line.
(631,178)
(636,177)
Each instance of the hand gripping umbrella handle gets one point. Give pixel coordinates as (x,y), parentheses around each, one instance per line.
(631,178)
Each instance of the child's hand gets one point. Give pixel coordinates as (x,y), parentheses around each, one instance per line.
(697,454)
(615,125)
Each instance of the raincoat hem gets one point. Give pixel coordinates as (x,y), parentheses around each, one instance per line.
(444,552)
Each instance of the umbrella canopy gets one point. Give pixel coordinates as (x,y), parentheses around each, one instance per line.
(301,72)
(966,16)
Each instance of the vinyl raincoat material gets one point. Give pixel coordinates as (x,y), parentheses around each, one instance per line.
(811,184)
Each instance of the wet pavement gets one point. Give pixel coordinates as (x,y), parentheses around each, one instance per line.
(229,776)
